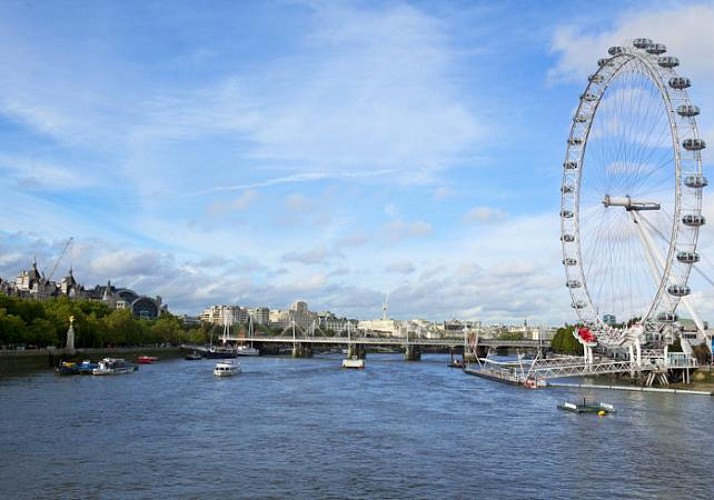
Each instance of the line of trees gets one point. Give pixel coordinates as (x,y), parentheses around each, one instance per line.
(45,323)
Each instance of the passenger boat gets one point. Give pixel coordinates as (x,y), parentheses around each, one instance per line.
(601,409)
(195,355)
(244,350)
(114,366)
(146,360)
(353,362)
(226,368)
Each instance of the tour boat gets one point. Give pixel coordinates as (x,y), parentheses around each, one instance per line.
(195,355)
(146,360)
(244,350)
(114,366)
(226,368)
(353,362)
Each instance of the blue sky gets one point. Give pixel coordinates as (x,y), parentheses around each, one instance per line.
(335,152)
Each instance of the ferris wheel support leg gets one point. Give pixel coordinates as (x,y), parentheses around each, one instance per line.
(631,350)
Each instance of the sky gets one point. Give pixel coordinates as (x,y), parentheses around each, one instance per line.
(342,153)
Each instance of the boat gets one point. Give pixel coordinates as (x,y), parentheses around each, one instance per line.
(193,356)
(114,366)
(244,350)
(86,367)
(221,352)
(67,368)
(456,363)
(146,360)
(353,362)
(600,408)
(226,368)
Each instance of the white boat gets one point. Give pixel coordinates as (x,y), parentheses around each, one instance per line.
(353,362)
(244,350)
(114,366)
(226,368)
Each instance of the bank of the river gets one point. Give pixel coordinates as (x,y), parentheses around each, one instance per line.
(18,361)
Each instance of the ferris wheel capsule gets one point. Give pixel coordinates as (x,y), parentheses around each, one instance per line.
(642,43)
(680,83)
(668,62)
(656,48)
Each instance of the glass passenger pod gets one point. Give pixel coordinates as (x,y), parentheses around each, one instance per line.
(567,238)
(678,290)
(615,50)
(688,257)
(688,110)
(596,78)
(695,144)
(575,141)
(642,43)
(589,97)
(656,48)
(567,188)
(603,62)
(569,261)
(667,317)
(668,61)
(578,304)
(580,118)
(693,220)
(573,284)
(570,165)
(696,181)
(566,214)
(680,83)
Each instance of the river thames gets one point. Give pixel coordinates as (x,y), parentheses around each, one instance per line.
(305,428)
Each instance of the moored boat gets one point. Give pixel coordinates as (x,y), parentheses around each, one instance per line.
(193,356)
(67,368)
(226,368)
(244,350)
(146,360)
(114,366)
(86,367)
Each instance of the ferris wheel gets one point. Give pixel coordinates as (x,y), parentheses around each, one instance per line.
(631,196)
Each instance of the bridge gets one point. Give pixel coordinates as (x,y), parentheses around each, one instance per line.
(356,345)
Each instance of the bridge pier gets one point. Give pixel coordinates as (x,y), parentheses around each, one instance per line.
(412,353)
(301,350)
(356,350)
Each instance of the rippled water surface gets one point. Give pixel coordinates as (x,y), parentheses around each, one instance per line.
(308,429)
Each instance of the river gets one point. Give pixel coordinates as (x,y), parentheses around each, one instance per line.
(305,428)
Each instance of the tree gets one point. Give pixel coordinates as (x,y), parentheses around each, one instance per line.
(564,341)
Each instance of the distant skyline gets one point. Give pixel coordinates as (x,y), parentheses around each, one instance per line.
(263,152)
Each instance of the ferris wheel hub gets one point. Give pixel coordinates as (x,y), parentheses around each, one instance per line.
(629,203)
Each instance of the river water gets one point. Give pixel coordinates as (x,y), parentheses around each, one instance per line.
(305,428)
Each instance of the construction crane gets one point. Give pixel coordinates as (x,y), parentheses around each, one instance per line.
(59,259)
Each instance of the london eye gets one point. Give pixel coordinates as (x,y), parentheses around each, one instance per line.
(631,195)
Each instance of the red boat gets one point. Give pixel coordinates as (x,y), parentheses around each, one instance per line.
(146,360)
